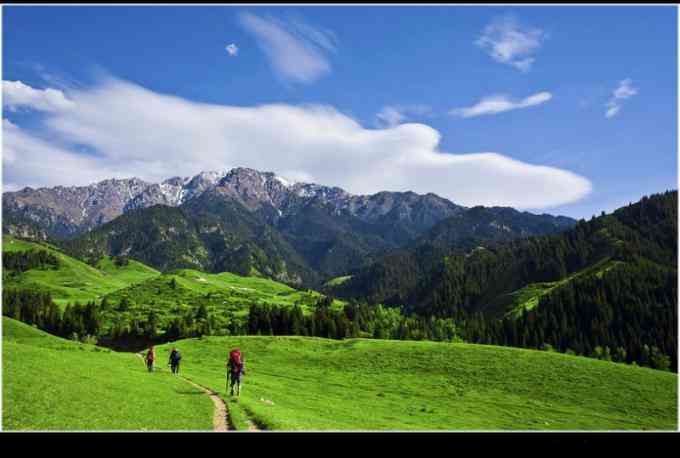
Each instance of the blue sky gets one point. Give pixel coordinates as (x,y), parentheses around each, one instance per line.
(365,98)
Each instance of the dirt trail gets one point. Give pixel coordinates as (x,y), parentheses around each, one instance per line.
(221,420)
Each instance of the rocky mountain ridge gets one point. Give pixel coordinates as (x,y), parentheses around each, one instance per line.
(69,211)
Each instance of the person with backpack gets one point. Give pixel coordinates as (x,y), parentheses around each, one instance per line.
(175,357)
(236,370)
(150,358)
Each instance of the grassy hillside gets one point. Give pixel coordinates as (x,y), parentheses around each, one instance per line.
(300,383)
(55,384)
(234,289)
(74,280)
(528,297)
(225,295)
(337,281)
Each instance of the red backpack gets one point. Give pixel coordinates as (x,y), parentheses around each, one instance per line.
(235,358)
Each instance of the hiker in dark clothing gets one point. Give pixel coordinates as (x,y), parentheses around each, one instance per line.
(150,358)
(236,369)
(175,357)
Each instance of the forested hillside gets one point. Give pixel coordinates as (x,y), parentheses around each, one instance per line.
(606,285)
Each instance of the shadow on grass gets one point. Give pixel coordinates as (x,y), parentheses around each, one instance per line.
(189,392)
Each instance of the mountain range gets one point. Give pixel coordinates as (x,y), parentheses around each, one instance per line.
(253,222)
(605,288)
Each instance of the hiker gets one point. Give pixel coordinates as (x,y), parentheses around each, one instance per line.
(174,360)
(236,370)
(150,357)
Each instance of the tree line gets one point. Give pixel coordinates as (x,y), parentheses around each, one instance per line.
(77,322)
(576,319)
(353,320)
(21,261)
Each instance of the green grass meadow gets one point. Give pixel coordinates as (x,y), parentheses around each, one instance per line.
(301,383)
(528,297)
(52,384)
(73,280)
(314,384)
(225,295)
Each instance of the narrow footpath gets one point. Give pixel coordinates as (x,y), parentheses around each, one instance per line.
(221,420)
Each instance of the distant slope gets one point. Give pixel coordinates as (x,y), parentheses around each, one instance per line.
(528,297)
(52,384)
(226,297)
(433,277)
(128,294)
(299,383)
(639,234)
(484,225)
(211,235)
(73,280)
(392,277)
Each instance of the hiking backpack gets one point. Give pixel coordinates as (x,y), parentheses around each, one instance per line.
(235,359)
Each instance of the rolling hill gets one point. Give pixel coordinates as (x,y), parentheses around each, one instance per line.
(313,384)
(357,384)
(130,294)
(53,384)
(226,297)
(72,280)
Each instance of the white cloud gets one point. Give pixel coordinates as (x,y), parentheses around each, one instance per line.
(507,42)
(232,49)
(624,91)
(31,161)
(16,94)
(137,132)
(499,103)
(392,115)
(296,51)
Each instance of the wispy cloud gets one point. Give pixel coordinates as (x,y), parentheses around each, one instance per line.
(297,51)
(624,91)
(315,143)
(495,104)
(16,94)
(507,42)
(392,115)
(232,49)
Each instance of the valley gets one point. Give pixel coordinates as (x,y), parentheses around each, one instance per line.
(414,219)
(351,325)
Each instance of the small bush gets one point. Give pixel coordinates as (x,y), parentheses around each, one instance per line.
(88,339)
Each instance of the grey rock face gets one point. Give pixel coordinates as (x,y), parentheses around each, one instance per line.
(68,211)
